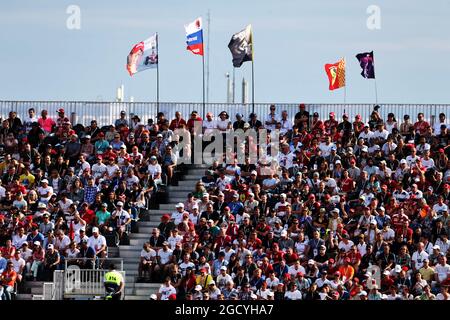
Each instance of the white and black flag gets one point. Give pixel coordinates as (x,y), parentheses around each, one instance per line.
(241,46)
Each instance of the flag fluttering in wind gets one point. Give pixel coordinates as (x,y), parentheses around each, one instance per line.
(194,34)
(143,56)
(367,64)
(336,74)
(241,46)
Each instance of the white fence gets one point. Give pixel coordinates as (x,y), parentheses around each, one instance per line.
(85,282)
(106,112)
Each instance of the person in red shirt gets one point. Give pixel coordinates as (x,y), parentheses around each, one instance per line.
(87,214)
(194,117)
(347,183)
(8,280)
(317,127)
(177,122)
(355,257)
(332,122)
(8,250)
(421,126)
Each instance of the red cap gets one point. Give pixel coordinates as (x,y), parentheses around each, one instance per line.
(331,114)
(446,186)
(340,225)
(29,218)
(2,217)
(300,274)
(441,150)
(352,161)
(165,217)
(173,297)
(101,134)
(312,196)
(405,268)
(61,110)
(331,260)
(337,273)
(384,186)
(327,196)
(202,270)
(347,259)
(358,116)
(355,280)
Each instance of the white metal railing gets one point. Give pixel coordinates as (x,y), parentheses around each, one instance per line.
(87,282)
(48,290)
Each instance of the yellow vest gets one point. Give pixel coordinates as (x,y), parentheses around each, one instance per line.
(113,277)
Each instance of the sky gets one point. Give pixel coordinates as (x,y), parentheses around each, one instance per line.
(44,60)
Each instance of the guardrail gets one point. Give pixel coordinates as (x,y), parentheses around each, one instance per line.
(85,282)
(107,112)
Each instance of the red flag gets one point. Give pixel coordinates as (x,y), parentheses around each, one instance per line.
(336,74)
(71,231)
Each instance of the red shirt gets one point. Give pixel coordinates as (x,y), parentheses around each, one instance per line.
(88,216)
(421,126)
(12,275)
(176,124)
(190,123)
(347,185)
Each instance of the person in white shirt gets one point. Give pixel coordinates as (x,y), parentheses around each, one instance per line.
(366,134)
(381,133)
(62,242)
(271,119)
(416,192)
(442,270)
(19,238)
(326,146)
(286,123)
(155,170)
(98,243)
(418,256)
(440,206)
(293,293)
(18,264)
(412,158)
(166,290)
(174,238)
(45,191)
(111,168)
(296,268)
(438,124)
(209,124)
(426,161)
(99,168)
(147,260)
(223,278)
(177,216)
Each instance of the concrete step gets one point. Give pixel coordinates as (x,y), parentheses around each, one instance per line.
(175,200)
(196,172)
(187,189)
(134,254)
(146,224)
(178,194)
(147,230)
(139,236)
(37,290)
(187,183)
(193,176)
(24,296)
(33,284)
(135,297)
(138,242)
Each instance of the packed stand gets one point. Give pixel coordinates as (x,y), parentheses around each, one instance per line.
(347,210)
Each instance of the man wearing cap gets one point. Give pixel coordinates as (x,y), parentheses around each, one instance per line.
(177,216)
(330,123)
(114,284)
(98,243)
(51,262)
(122,121)
(122,219)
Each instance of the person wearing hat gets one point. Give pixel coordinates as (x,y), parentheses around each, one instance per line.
(177,216)
(330,123)
(51,262)
(98,243)
(44,191)
(122,219)
(103,216)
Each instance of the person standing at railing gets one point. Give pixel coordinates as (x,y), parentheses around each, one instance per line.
(47,124)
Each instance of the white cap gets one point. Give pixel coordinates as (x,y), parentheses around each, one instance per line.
(363,293)
(337,162)
(403,161)
(398,268)
(44,181)
(94,229)
(179,205)
(223,268)
(159,135)
(211,282)
(198,288)
(195,206)
(50,246)
(311,261)
(283,233)
(37,243)
(153,297)
(254,172)
(283,195)
(120,203)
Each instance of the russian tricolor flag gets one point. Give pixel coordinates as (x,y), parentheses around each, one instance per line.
(194,34)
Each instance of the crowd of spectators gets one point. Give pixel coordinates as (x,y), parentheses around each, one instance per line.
(346,210)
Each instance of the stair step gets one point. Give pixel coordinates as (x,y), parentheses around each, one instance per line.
(135,297)
(187,189)
(177,199)
(137,242)
(139,236)
(33,284)
(24,296)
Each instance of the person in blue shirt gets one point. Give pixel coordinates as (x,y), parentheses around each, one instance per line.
(236,207)
(35,235)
